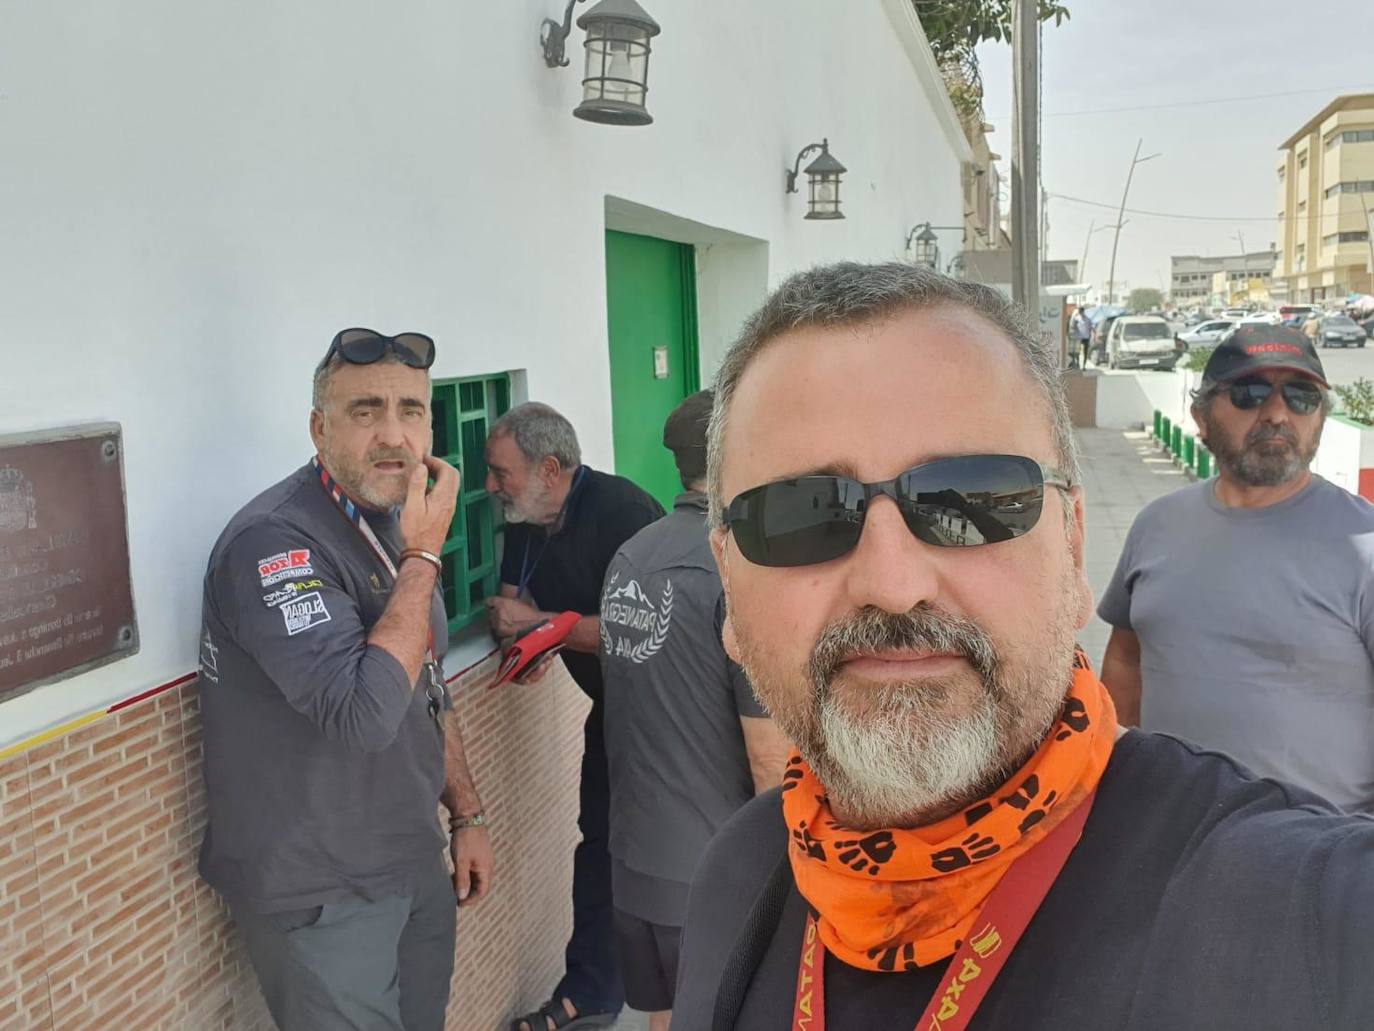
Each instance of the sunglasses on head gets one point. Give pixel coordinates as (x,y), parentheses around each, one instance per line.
(1303,397)
(365,346)
(958,502)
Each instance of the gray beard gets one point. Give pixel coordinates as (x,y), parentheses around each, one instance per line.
(351,479)
(1250,466)
(909,753)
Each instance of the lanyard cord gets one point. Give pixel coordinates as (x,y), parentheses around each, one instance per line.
(526,570)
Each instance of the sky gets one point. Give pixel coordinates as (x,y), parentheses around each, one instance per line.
(1216,158)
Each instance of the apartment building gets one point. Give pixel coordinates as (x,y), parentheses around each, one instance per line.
(1326,190)
(1192,278)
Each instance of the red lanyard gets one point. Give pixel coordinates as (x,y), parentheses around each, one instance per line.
(977,962)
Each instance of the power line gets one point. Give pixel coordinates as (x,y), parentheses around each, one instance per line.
(1198,103)
(1192,218)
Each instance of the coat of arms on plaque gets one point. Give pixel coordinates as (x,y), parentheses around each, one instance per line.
(18,507)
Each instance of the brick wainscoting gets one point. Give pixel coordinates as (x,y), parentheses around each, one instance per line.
(104,924)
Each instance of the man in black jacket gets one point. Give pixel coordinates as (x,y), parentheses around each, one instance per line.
(964,829)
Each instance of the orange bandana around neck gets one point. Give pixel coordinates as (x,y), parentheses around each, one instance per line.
(898,899)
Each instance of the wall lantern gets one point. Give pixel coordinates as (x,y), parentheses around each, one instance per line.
(823,174)
(923,246)
(956,267)
(617,70)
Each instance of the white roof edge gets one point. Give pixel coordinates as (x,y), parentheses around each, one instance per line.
(902,14)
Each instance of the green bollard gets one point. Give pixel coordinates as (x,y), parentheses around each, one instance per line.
(1165,428)
(1188,451)
(1176,445)
(1204,464)
(1158,416)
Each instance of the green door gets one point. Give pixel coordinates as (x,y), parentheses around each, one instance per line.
(651,315)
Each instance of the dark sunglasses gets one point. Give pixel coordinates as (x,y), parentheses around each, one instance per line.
(951,503)
(365,346)
(1301,396)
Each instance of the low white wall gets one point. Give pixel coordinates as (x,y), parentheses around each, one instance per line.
(1338,457)
(1129,399)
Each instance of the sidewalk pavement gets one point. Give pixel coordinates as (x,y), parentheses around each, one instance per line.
(1122,473)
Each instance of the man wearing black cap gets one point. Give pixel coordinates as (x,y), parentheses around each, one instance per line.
(328,736)
(1241,607)
(688,743)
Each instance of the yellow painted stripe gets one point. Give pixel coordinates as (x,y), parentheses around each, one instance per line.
(50,733)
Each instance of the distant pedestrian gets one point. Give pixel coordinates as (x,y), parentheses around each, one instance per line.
(1241,605)
(686,740)
(1312,327)
(1081,328)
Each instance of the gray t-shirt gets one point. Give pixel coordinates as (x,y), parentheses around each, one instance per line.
(1255,630)
(678,765)
(323,768)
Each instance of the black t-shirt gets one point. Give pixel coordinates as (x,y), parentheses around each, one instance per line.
(563,571)
(1198,897)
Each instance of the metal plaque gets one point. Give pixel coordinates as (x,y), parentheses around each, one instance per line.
(65,601)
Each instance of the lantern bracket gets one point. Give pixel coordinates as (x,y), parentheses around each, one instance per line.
(923,227)
(553,37)
(795,170)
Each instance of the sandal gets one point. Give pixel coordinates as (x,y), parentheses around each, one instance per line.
(552,1012)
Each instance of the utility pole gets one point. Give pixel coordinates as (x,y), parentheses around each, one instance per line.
(1093,227)
(1116,237)
(1025,155)
(1244,264)
(1369,235)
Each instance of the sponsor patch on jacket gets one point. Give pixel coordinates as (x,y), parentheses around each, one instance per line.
(304,612)
(290,589)
(285,566)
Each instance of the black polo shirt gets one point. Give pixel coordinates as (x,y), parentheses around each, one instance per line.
(1199,897)
(563,571)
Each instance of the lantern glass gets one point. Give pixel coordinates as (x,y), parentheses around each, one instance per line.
(617,74)
(825,195)
(928,253)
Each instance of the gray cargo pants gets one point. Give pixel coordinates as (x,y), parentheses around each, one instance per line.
(358,965)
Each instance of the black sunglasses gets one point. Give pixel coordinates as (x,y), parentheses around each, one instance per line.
(1301,396)
(365,346)
(951,503)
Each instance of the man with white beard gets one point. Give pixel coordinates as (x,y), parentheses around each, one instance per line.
(564,524)
(964,829)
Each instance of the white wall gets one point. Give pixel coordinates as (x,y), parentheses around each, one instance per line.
(194,197)
(1126,400)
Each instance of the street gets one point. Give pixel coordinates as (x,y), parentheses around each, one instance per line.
(1347,364)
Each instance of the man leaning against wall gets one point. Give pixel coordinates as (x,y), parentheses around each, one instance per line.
(565,521)
(329,736)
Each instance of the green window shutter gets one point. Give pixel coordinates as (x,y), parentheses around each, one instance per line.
(462,411)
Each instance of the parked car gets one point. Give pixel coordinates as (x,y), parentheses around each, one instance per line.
(1235,314)
(1260,318)
(1099,339)
(1206,334)
(1141,342)
(1298,311)
(1340,331)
